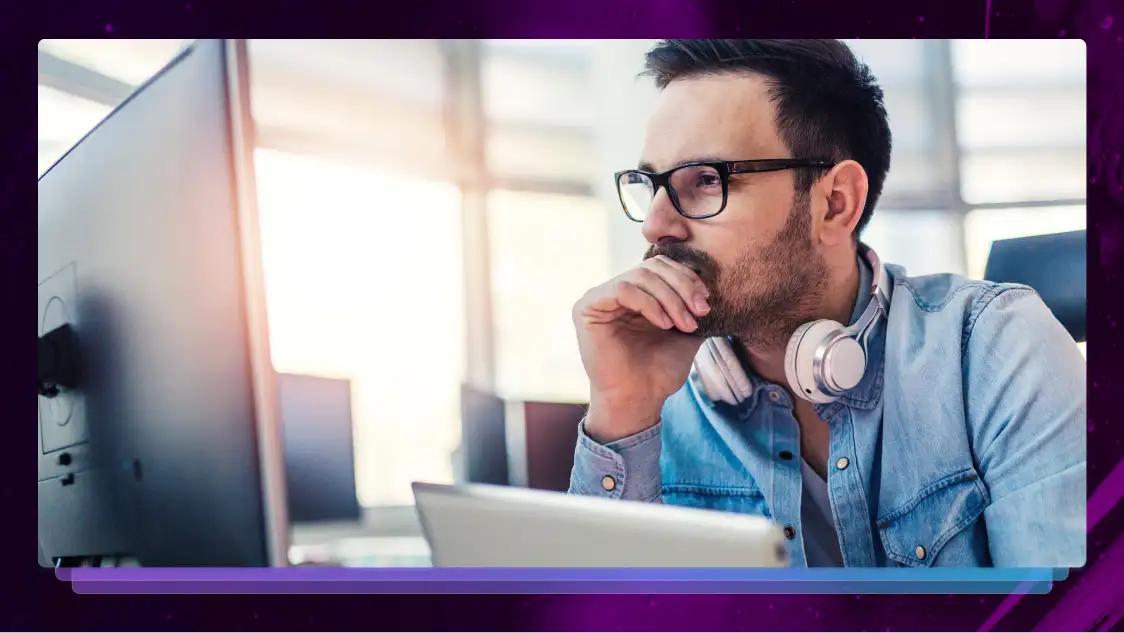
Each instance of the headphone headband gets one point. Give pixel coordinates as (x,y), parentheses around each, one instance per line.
(880,280)
(879,304)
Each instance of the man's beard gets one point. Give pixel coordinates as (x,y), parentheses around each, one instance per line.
(768,292)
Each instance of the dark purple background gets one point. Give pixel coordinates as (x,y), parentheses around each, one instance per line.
(32,599)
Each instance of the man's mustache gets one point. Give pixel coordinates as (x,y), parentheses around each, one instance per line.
(698,261)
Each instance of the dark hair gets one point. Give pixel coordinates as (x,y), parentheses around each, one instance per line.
(829,104)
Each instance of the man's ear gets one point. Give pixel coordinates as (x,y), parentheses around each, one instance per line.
(845,188)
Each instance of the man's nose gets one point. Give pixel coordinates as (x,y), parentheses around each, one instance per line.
(663,221)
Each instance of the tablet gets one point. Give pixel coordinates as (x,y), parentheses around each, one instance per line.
(499,526)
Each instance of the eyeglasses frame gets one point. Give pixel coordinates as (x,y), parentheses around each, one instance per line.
(725,169)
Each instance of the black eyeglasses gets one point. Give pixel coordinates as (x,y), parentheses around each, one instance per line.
(698,190)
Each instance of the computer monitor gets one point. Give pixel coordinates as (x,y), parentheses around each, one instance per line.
(483,441)
(158,434)
(319,449)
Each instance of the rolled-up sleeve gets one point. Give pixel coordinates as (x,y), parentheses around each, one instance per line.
(627,469)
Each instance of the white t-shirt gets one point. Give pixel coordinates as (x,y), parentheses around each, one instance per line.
(821,542)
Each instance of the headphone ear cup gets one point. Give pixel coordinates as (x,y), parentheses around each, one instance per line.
(790,372)
(800,355)
(846,362)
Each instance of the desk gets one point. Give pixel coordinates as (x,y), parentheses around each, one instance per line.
(386,537)
(364,551)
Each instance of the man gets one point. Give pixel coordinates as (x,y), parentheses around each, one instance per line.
(945,428)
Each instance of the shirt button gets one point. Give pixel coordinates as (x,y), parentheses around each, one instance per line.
(920,551)
(843,463)
(608,483)
(789,533)
(786,455)
(774,396)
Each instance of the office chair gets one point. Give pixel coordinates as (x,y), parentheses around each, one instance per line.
(1054,265)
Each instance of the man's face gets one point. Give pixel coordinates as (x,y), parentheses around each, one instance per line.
(757,257)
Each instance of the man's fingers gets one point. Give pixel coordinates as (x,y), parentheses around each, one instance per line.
(608,300)
(673,304)
(665,292)
(683,280)
(683,268)
(632,297)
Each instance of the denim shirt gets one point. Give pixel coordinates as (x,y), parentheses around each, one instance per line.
(963,445)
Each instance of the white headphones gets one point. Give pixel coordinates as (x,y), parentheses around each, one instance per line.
(824,359)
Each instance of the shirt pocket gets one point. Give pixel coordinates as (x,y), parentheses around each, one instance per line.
(743,500)
(932,529)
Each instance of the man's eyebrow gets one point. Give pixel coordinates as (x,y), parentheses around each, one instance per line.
(646,166)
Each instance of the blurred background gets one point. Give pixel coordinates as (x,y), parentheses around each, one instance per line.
(432,209)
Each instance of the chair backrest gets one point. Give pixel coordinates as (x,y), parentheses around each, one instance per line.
(1054,265)
(541,437)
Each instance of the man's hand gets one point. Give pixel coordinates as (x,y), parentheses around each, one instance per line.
(636,342)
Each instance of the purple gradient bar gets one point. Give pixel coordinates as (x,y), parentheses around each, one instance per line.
(340,580)
(507,587)
(528,574)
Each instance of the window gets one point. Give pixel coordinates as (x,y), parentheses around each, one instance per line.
(376,102)
(64,116)
(63,120)
(539,82)
(364,282)
(1013,63)
(1023,176)
(891,61)
(541,155)
(540,111)
(922,242)
(904,69)
(624,102)
(1021,129)
(547,250)
(1020,119)
(131,62)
